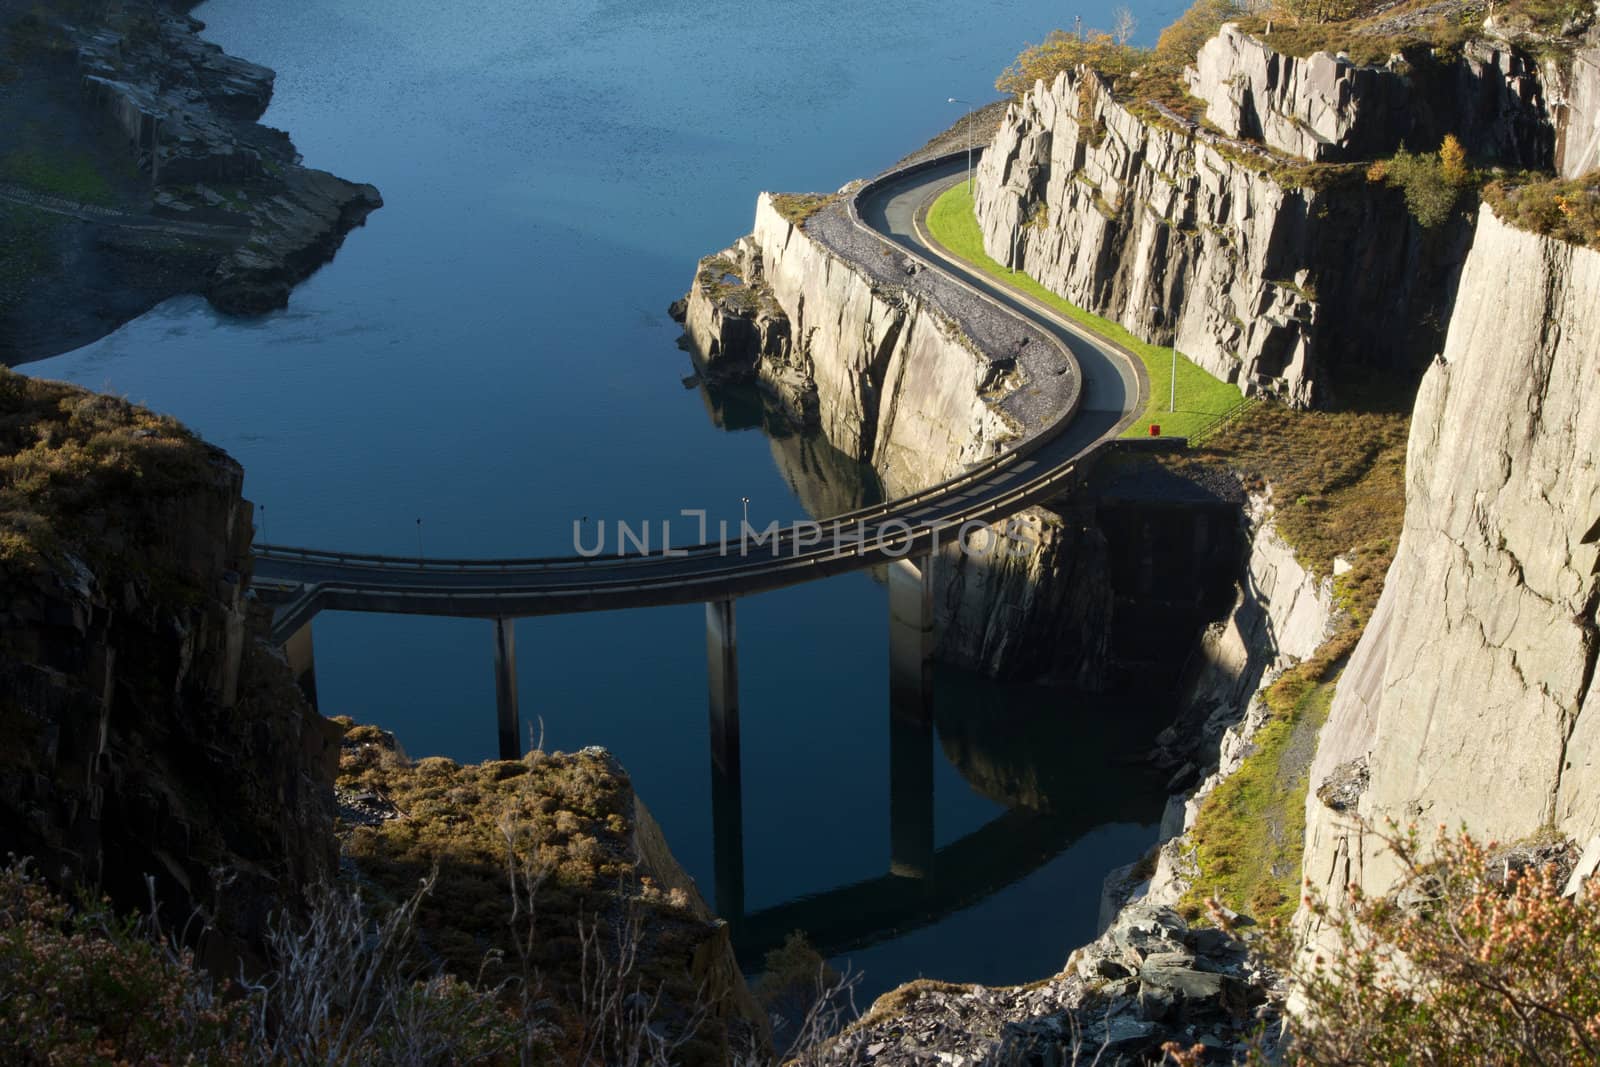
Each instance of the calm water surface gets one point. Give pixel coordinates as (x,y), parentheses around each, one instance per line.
(490,354)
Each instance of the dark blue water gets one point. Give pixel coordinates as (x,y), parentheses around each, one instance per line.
(490,354)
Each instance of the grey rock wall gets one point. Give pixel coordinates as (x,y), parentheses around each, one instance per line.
(1470,699)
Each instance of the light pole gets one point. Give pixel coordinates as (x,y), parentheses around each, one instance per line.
(1172,398)
(419,542)
(958,100)
(746,502)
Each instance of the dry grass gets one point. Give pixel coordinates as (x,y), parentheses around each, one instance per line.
(798,207)
(563,825)
(1568,210)
(1338,485)
(86,473)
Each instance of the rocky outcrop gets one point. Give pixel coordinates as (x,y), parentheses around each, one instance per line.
(887,376)
(1281,616)
(148,729)
(214,203)
(1574,92)
(1186,239)
(1326,108)
(1470,699)
(188,112)
(1147,980)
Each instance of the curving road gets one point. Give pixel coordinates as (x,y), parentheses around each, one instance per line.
(301,582)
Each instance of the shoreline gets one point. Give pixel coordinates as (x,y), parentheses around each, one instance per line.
(142,172)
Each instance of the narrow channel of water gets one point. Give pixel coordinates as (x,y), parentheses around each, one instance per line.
(491,355)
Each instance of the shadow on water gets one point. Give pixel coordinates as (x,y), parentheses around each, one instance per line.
(1054,765)
(1062,765)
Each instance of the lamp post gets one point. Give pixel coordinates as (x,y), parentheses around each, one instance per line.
(746,502)
(958,100)
(1172,397)
(419,542)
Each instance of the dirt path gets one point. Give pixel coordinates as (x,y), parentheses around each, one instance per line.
(16,194)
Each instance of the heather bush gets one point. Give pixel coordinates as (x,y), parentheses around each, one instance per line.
(1471,958)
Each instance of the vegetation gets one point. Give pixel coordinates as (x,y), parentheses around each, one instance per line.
(1469,959)
(1338,490)
(1432,181)
(68,457)
(1061,51)
(1202,399)
(1250,831)
(1568,210)
(48,168)
(798,207)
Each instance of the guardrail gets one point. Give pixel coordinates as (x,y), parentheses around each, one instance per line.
(1199,438)
(885,511)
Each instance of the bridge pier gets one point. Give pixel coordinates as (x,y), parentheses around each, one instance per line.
(301,654)
(727,792)
(910,633)
(505,688)
(910,717)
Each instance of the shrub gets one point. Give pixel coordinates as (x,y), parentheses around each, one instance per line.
(1062,51)
(1432,182)
(81,985)
(1567,210)
(1470,959)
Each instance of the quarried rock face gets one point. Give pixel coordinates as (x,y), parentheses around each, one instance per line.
(886,376)
(1326,108)
(1173,234)
(1575,106)
(148,731)
(1470,699)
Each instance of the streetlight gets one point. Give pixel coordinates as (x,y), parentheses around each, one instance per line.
(746,502)
(958,100)
(1172,400)
(419,542)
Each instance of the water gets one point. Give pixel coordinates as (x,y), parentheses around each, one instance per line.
(490,355)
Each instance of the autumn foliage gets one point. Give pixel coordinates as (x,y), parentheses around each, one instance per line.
(1473,958)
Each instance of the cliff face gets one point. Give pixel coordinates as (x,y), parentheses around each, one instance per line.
(181,189)
(148,732)
(1470,697)
(1181,236)
(1325,107)
(1575,106)
(887,377)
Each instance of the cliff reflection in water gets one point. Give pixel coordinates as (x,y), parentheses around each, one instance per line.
(824,479)
(1062,764)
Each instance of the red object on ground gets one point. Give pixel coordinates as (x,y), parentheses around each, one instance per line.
(1155,429)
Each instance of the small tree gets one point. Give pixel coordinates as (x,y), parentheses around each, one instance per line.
(1123,24)
(1432,182)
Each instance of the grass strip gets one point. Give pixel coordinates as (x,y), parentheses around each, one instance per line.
(1202,399)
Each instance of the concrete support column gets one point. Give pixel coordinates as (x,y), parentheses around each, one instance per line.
(301,654)
(727,792)
(910,634)
(505,688)
(910,717)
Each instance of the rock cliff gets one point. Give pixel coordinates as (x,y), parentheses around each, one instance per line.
(152,178)
(1327,108)
(148,730)
(887,376)
(1264,276)
(1470,697)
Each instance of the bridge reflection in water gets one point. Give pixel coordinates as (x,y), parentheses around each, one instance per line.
(1019,752)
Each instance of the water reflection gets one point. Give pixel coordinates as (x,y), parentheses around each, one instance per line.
(1064,765)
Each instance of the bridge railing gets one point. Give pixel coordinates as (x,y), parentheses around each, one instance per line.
(880,514)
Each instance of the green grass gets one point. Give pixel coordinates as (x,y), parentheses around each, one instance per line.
(59,172)
(1250,832)
(1201,398)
